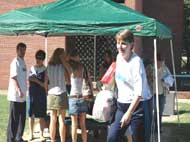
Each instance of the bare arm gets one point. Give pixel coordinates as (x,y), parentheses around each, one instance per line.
(90,82)
(127,116)
(65,64)
(34,79)
(46,82)
(101,71)
(67,77)
(16,84)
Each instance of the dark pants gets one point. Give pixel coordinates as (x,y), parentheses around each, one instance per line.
(16,124)
(68,88)
(147,119)
(162,101)
(116,133)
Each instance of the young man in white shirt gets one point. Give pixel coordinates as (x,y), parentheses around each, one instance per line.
(17,96)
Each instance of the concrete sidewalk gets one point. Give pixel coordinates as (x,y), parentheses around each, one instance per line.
(98,136)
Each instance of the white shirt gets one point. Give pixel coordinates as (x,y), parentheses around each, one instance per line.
(163,71)
(56,79)
(131,79)
(18,70)
(34,70)
(76,86)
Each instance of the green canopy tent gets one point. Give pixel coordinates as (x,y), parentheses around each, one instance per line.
(83,17)
(89,17)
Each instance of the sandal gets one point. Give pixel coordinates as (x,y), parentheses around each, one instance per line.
(42,139)
(31,137)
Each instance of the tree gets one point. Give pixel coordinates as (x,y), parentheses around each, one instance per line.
(186,37)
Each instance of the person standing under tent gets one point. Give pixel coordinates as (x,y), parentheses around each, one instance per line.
(17,96)
(163,72)
(77,101)
(57,101)
(133,89)
(148,103)
(107,61)
(38,83)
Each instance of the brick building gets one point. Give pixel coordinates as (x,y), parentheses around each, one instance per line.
(167,11)
(8,43)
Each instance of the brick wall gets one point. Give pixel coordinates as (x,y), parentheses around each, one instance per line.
(138,6)
(8,43)
(6,5)
(169,12)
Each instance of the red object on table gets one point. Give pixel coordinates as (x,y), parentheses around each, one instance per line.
(109,73)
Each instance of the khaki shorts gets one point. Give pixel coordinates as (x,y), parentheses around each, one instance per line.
(57,102)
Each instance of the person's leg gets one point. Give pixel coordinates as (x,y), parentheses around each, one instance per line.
(31,127)
(137,124)
(129,134)
(162,101)
(147,119)
(115,132)
(42,126)
(82,117)
(22,119)
(129,138)
(12,123)
(52,126)
(74,126)
(62,124)
(155,113)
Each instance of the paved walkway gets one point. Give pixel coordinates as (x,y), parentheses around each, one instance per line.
(99,136)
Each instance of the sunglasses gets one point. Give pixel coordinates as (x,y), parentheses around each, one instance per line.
(39,58)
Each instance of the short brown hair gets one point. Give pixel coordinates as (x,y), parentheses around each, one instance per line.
(40,54)
(125,35)
(20,45)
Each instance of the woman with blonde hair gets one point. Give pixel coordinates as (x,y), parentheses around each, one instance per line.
(57,96)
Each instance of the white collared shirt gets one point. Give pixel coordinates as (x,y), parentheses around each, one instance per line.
(18,70)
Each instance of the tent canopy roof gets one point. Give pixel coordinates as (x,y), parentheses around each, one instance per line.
(78,17)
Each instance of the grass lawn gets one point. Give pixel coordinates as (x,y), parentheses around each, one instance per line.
(171,133)
(4,111)
(181,132)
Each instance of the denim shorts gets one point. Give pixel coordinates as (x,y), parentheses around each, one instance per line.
(77,105)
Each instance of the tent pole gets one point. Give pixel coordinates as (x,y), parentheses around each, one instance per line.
(46,50)
(175,83)
(156,79)
(94,58)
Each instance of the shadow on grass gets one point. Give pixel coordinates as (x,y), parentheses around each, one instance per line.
(176,133)
(184,111)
